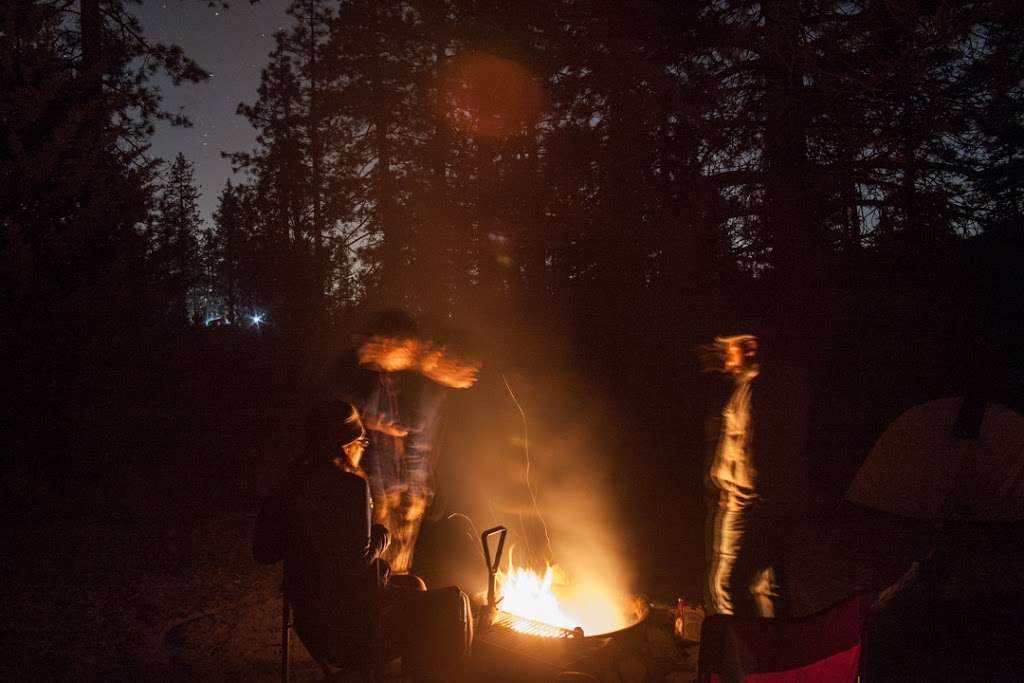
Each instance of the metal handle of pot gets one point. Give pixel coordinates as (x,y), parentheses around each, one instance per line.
(492,563)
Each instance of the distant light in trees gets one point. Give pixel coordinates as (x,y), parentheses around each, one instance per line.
(488,96)
(500,244)
(256,319)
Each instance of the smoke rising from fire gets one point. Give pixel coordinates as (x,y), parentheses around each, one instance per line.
(573,442)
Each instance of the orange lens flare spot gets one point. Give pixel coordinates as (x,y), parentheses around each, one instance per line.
(488,96)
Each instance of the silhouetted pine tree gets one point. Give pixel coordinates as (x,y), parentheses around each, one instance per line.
(77,183)
(175,233)
(375,63)
(300,168)
(678,146)
(998,116)
(242,262)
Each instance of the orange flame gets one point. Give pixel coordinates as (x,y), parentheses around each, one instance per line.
(550,599)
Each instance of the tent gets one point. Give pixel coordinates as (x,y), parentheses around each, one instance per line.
(956,614)
(953,458)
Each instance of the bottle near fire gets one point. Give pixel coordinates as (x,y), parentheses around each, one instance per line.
(680,624)
(693,619)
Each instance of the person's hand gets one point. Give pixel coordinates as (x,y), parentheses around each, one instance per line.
(378,424)
(379,537)
(449,370)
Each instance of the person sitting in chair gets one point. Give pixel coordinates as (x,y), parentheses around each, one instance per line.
(318,522)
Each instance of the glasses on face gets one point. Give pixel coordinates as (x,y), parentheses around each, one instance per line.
(361,443)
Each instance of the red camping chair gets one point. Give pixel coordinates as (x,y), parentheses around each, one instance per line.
(821,648)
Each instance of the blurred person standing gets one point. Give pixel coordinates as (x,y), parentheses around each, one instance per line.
(757,475)
(400,380)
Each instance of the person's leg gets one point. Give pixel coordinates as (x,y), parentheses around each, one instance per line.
(438,633)
(397,627)
(777,591)
(408,529)
(765,592)
(760,566)
(408,582)
(403,540)
(389,512)
(416,496)
(730,534)
(747,576)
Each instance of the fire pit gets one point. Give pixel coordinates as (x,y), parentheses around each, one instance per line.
(527,635)
(638,607)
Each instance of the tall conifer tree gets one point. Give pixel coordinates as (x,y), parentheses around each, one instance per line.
(176,240)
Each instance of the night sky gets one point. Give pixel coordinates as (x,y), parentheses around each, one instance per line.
(233,45)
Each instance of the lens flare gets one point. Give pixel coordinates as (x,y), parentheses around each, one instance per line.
(488,96)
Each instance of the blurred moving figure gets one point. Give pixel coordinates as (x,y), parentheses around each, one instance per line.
(400,380)
(345,601)
(757,476)
(318,522)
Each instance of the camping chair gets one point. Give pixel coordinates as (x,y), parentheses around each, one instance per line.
(370,668)
(821,648)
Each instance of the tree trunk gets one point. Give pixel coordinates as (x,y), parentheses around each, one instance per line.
(316,152)
(391,249)
(850,199)
(486,222)
(623,235)
(912,226)
(92,30)
(787,218)
(438,240)
(531,240)
(229,268)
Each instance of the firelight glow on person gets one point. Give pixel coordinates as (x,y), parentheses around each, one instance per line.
(732,473)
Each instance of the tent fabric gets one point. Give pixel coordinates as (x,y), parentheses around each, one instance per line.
(823,647)
(919,469)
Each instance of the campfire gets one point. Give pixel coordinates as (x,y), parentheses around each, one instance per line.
(534,600)
(549,605)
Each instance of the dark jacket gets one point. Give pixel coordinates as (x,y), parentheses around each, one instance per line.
(781,416)
(318,522)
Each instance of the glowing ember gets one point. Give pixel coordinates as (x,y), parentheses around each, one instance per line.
(548,599)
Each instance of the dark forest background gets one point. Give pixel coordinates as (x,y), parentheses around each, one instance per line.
(597,187)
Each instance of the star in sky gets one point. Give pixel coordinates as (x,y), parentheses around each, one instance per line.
(233,45)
